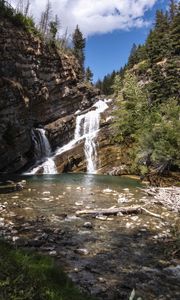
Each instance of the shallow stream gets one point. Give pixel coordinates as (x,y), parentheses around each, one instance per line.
(105,256)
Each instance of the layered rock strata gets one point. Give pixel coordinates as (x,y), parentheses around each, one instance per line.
(38,86)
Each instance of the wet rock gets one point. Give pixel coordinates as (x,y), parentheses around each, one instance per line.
(53,253)
(15,238)
(81,251)
(101,217)
(88,225)
(79,203)
(174,271)
(35,243)
(19,186)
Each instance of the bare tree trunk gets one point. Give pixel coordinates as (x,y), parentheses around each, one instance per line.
(26,9)
(45,18)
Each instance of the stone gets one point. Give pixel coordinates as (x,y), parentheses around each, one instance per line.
(81,251)
(88,225)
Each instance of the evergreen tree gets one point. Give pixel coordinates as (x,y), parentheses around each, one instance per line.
(54,25)
(147,116)
(88,75)
(79,43)
(98,85)
(157,43)
(132,60)
(172,10)
(175,33)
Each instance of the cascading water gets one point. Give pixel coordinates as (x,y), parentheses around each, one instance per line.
(43,151)
(42,146)
(87,127)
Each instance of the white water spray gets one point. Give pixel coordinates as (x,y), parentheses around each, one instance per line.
(87,127)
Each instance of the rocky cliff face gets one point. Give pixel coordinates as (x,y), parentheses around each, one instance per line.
(38,86)
(111,159)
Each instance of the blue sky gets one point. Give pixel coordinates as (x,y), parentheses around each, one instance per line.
(108,52)
(110,26)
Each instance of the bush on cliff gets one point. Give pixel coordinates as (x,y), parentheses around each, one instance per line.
(17,18)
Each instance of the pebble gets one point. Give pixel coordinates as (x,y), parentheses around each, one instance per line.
(53,253)
(15,238)
(101,279)
(79,203)
(107,191)
(119,214)
(88,225)
(81,251)
(46,193)
(102,218)
(134,218)
(128,225)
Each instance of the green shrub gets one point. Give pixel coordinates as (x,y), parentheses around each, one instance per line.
(30,276)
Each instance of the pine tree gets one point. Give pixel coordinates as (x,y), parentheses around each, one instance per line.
(88,75)
(157,43)
(172,10)
(98,85)
(54,25)
(175,33)
(79,43)
(132,60)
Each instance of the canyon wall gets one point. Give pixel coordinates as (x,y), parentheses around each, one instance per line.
(38,87)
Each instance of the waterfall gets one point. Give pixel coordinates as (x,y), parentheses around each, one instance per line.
(42,146)
(42,151)
(87,127)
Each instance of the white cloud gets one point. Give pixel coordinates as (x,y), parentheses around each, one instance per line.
(97,16)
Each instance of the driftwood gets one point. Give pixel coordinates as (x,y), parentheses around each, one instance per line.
(115,211)
(169,196)
(150,213)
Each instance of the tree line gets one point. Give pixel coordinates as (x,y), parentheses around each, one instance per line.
(147,89)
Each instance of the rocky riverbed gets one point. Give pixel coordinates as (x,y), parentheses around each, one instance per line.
(107,256)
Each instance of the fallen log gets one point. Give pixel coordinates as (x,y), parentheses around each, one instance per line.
(110,211)
(115,211)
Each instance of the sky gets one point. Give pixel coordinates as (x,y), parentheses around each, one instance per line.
(110,27)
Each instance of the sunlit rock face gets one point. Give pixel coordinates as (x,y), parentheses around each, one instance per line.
(106,157)
(38,86)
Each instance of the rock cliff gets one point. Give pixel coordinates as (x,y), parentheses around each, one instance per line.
(38,86)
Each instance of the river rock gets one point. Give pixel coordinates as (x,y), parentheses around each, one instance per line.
(88,225)
(81,251)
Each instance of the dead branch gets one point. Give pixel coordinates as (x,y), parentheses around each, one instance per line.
(150,213)
(115,211)
(110,211)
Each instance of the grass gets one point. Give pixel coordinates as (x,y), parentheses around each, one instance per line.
(29,276)
(17,18)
